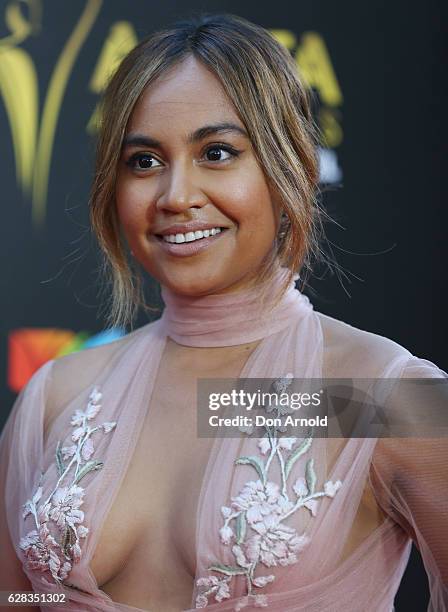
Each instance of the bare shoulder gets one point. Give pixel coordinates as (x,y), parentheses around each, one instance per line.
(350,351)
(74,372)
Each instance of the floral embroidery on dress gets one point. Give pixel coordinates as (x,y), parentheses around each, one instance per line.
(55,543)
(254,523)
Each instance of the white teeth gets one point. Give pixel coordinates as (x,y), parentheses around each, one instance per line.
(191,236)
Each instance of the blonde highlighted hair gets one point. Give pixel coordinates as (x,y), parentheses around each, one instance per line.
(260,78)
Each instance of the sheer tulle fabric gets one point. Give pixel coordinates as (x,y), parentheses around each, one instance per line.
(408,476)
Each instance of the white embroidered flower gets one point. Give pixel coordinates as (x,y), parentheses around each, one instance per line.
(87,449)
(264,445)
(259,500)
(92,410)
(312,506)
(108,426)
(61,510)
(226,534)
(68,451)
(77,418)
(281,384)
(95,396)
(274,543)
(239,556)
(223,592)
(43,553)
(330,488)
(219,587)
(31,539)
(201,601)
(259,512)
(66,503)
(82,531)
(260,601)
(282,443)
(262,581)
(300,487)
(79,433)
(247,429)
(225,511)
(286,443)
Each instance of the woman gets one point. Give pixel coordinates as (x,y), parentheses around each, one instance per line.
(206,177)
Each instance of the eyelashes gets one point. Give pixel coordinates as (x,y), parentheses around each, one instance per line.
(141,161)
(145,161)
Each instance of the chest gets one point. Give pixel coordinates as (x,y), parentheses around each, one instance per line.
(149,534)
(146,553)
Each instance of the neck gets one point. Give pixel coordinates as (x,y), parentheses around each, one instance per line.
(231,319)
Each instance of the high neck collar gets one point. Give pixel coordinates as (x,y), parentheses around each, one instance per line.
(230,319)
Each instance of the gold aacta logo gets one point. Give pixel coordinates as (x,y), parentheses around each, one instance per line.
(33,135)
(33,132)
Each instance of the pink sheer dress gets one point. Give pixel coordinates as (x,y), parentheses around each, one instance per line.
(280,530)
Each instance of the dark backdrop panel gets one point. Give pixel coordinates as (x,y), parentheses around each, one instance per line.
(388,139)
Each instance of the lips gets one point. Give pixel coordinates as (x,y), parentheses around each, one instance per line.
(186,249)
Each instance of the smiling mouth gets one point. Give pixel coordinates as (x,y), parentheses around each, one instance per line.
(196,236)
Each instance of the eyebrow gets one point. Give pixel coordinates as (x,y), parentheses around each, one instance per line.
(141,140)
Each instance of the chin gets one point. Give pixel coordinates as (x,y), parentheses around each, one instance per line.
(198,284)
(190,286)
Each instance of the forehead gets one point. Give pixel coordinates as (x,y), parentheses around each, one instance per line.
(186,95)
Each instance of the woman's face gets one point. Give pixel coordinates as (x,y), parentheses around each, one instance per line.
(187,166)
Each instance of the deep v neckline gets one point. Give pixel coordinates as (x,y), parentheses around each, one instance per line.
(147,353)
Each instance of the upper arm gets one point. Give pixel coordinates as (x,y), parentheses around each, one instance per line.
(12,575)
(410,479)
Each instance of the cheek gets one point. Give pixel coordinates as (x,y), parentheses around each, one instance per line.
(132,205)
(254,209)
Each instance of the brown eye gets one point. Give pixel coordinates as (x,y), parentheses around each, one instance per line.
(142,161)
(215,153)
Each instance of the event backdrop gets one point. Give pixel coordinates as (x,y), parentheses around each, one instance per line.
(379,86)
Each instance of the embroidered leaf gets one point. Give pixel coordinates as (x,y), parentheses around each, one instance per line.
(59,460)
(254,462)
(300,450)
(89,467)
(227,569)
(310,476)
(37,495)
(68,540)
(241,525)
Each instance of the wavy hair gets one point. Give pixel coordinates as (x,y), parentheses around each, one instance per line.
(260,78)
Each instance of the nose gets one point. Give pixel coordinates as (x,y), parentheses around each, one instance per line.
(180,189)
